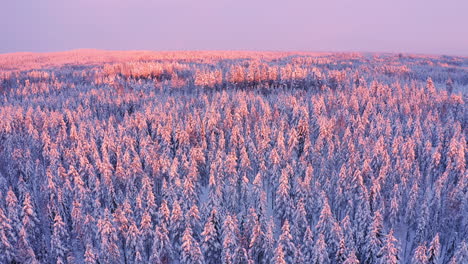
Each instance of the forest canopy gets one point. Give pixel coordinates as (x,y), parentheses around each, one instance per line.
(233,157)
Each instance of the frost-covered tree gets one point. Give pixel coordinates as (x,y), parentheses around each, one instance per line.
(25,252)
(389,253)
(269,243)
(420,255)
(283,201)
(211,239)
(287,242)
(5,238)
(109,250)
(307,248)
(176,227)
(375,238)
(325,226)
(190,252)
(58,241)
(351,258)
(320,254)
(461,254)
(230,243)
(161,250)
(90,255)
(12,211)
(279,255)
(433,252)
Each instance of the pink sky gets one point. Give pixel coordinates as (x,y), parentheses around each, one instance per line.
(414,26)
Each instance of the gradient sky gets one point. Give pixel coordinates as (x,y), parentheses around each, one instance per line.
(414,26)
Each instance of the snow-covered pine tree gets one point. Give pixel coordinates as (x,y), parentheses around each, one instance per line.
(351,258)
(320,254)
(279,257)
(230,243)
(375,237)
(6,234)
(161,250)
(109,250)
(90,255)
(461,254)
(420,255)
(307,247)
(176,228)
(58,241)
(190,251)
(211,239)
(433,252)
(12,211)
(287,243)
(389,253)
(133,245)
(25,253)
(283,203)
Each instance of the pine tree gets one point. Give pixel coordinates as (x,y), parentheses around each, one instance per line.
(25,253)
(77,218)
(430,87)
(325,226)
(12,214)
(279,257)
(449,85)
(29,216)
(320,251)
(230,244)
(176,227)
(211,237)
(109,251)
(362,221)
(189,192)
(256,243)
(249,222)
(133,244)
(286,240)
(389,252)
(326,221)
(269,244)
(90,255)
(300,221)
(58,240)
(351,258)
(283,200)
(191,253)
(375,238)
(6,234)
(394,208)
(341,253)
(434,250)
(348,232)
(161,250)
(215,193)
(164,214)
(146,231)
(420,255)
(461,254)
(193,218)
(242,256)
(147,190)
(308,246)
(421,229)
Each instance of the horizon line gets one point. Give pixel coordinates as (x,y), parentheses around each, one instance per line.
(232,50)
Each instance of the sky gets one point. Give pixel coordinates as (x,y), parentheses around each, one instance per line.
(408,26)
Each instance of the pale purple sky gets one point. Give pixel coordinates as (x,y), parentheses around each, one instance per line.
(414,26)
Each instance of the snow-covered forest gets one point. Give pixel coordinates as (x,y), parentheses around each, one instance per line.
(233,157)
